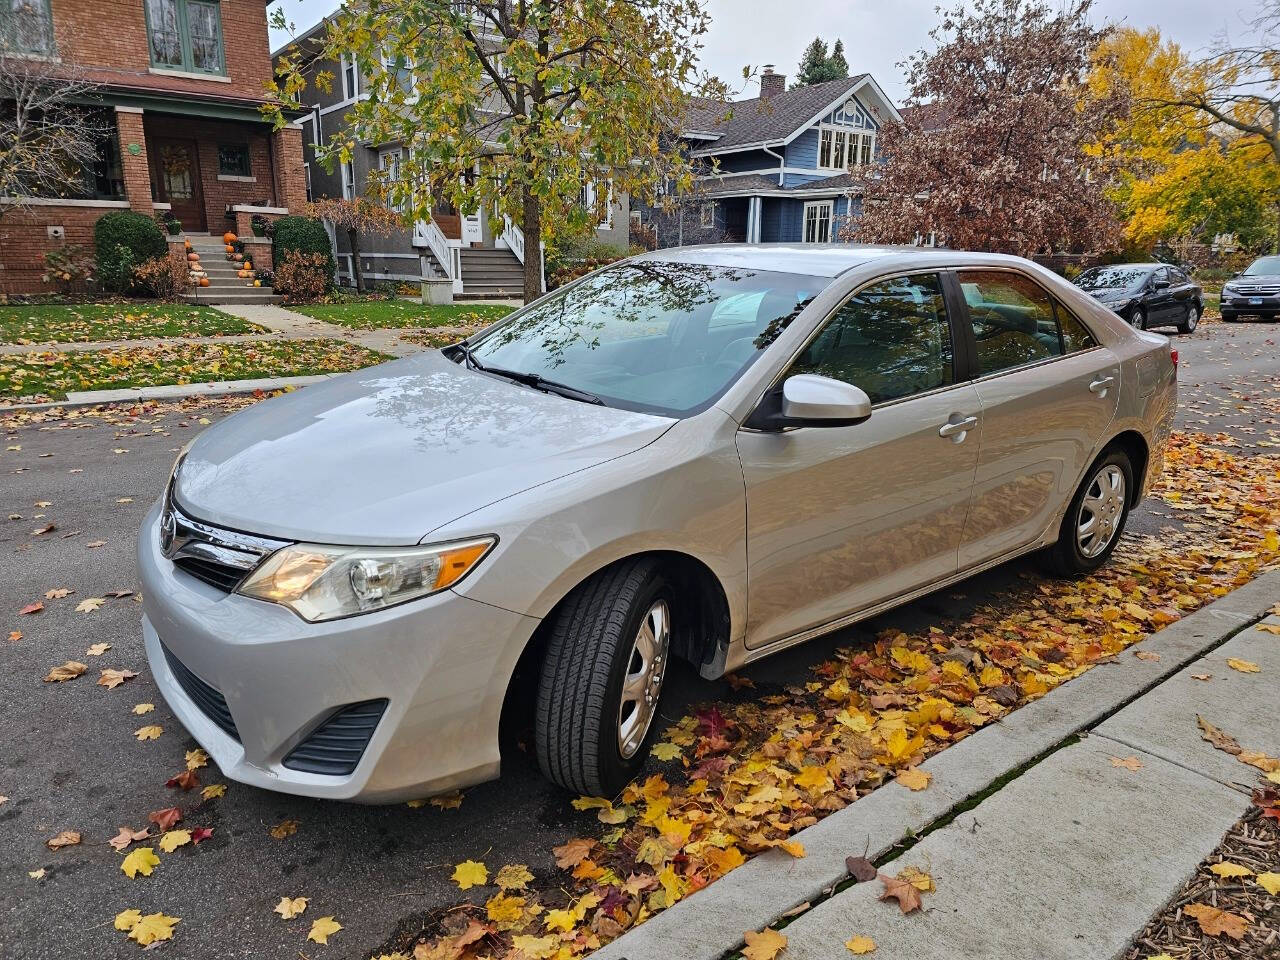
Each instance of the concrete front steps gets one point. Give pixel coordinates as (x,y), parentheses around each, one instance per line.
(224,285)
(490,275)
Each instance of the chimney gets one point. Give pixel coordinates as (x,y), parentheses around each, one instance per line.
(771,84)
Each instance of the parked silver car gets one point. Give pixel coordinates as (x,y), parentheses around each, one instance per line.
(710,453)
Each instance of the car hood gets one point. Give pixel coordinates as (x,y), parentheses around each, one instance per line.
(388,454)
(1109,293)
(1250,279)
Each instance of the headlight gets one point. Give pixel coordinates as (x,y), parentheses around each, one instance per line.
(323,583)
(1228,288)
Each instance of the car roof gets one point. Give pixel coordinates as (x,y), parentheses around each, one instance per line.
(813,259)
(1128,266)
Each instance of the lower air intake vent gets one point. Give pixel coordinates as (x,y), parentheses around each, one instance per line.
(211,703)
(335,747)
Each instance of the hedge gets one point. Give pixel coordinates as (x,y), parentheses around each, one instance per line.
(303,235)
(123,240)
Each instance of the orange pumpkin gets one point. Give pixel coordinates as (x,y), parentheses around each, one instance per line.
(187,244)
(230,248)
(204,281)
(248,264)
(228,237)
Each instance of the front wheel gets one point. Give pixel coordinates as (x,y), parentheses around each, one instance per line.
(1095,519)
(607,651)
(1192,320)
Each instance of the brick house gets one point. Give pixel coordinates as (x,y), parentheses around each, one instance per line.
(180,83)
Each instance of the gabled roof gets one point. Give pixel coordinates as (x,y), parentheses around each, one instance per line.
(776,120)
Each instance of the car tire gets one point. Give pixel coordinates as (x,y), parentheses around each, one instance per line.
(1229,317)
(593,647)
(1136,317)
(1075,554)
(1192,319)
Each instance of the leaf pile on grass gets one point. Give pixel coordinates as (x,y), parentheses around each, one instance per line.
(41,376)
(434,338)
(84,323)
(740,777)
(380,314)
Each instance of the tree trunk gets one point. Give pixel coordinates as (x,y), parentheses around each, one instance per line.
(353,238)
(531,224)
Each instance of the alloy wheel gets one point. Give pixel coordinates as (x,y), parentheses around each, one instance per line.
(1193,317)
(646,665)
(1101,511)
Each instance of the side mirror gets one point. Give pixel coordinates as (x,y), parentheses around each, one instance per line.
(810,400)
(1160,284)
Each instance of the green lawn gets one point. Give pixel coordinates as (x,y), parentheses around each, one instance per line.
(82,323)
(377,314)
(48,375)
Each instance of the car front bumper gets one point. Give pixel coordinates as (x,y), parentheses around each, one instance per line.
(442,664)
(1245,304)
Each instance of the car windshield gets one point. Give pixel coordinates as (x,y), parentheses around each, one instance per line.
(1112,278)
(653,336)
(1264,267)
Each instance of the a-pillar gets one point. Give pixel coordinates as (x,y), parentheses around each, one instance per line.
(291,178)
(133,159)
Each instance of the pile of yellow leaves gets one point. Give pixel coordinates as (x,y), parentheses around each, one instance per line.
(753,773)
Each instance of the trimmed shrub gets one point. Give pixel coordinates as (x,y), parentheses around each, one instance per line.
(122,241)
(303,277)
(161,278)
(301,235)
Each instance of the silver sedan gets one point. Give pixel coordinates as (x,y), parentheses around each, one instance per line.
(710,453)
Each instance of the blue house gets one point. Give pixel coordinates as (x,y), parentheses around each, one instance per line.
(781,161)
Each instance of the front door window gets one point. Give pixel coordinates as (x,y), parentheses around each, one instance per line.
(817,222)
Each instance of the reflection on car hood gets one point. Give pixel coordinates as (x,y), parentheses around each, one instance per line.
(1108,293)
(387,454)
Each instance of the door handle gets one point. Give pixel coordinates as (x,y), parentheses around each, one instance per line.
(956,429)
(1101,385)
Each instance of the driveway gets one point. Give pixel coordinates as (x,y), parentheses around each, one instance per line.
(69,759)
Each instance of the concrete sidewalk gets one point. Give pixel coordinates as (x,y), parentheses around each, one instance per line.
(1071,848)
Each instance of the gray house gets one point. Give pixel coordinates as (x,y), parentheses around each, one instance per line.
(782,162)
(462,247)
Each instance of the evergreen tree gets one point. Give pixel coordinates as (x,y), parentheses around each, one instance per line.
(817,66)
(839,65)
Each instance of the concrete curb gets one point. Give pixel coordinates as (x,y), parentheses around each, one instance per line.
(711,922)
(214,388)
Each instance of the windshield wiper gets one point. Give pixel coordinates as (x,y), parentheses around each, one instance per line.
(535,380)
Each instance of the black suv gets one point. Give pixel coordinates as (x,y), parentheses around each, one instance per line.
(1146,294)
(1256,291)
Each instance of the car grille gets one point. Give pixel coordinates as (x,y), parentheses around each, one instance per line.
(1256,290)
(211,703)
(213,555)
(336,746)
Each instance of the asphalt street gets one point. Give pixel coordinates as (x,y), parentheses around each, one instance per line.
(69,759)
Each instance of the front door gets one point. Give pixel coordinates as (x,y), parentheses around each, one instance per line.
(1048,390)
(175,178)
(842,518)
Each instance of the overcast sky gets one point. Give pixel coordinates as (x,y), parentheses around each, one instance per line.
(877,34)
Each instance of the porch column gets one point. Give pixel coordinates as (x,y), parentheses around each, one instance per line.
(290,177)
(754,206)
(133,159)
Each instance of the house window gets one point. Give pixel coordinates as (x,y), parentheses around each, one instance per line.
(348,180)
(589,198)
(400,67)
(389,164)
(350,79)
(233,160)
(28,28)
(707,215)
(843,150)
(817,222)
(185,35)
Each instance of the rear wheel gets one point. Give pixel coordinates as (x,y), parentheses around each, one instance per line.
(1137,318)
(1095,519)
(607,651)
(1192,320)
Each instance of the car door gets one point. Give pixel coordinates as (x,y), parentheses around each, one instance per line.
(1183,292)
(1162,307)
(1048,391)
(842,518)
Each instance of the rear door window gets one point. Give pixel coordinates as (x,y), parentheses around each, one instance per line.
(1012,317)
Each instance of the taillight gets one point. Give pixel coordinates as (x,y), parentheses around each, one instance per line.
(1173,355)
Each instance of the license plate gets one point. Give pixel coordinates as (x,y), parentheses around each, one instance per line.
(1255,301)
